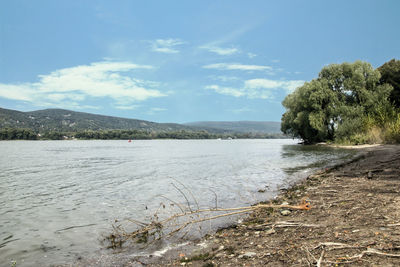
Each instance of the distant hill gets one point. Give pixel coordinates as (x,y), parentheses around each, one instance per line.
(71,121)
(62,120)
(240,126)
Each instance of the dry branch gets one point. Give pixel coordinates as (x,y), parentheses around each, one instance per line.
(158,229)
(320,258)
(334,245)
(374,251)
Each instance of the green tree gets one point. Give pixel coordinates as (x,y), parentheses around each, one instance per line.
(390,72)
(334,105)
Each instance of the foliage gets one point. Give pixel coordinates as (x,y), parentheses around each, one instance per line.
(17,134)
(27,134)
(344,103)
(390,72)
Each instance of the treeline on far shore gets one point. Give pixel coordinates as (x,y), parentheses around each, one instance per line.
(28,134)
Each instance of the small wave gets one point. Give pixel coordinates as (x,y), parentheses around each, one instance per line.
(75,226)
(161,252)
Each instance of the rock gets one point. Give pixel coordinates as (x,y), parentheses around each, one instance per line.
(285,212)
(285,203)
(270,232)
(369,176)
(248,254)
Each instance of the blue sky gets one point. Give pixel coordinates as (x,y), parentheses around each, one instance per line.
(182,61)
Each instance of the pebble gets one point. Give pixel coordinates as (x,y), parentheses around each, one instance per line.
(285,212)
(270,232)
(247,255)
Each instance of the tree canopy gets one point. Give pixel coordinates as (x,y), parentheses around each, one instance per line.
(390,72)
(338,104)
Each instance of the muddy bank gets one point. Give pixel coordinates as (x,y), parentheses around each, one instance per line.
(354,220)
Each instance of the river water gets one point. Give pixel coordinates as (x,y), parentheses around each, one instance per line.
(57,198)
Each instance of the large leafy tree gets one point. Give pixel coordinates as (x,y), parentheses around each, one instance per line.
(335,104)
(390,72)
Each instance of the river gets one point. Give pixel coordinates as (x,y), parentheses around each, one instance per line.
(57,198)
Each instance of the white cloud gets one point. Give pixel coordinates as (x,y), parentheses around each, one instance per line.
(19,92)
(288,86)
(166,45)
(98,80)
(224,78)
(158,109)
(251,55)
(130,107)
(257,88)
(220,50)
(241,110)
(237,66)
(226,90)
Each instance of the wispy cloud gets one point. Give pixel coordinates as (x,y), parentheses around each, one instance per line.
(224,78)
(237,66)
(251,55)
(257,88)
(155,110)
(74,85)
(241,110)
(168,46)
(220,50)
(130,107)
(226,90)
(288,86)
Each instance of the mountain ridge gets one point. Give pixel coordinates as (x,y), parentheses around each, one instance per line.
(241,126)
(72,121)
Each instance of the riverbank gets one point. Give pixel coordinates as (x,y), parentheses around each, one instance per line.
(354,219)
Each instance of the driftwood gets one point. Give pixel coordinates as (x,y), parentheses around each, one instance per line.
(158,229)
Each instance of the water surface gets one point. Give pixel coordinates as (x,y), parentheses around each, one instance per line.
(58,197)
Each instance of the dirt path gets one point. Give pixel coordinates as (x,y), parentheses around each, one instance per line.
(354,221)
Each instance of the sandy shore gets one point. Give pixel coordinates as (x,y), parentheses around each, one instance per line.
(354,221)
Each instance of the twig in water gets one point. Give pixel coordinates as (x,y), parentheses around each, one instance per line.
(216,198)
(183,194)
(190,192)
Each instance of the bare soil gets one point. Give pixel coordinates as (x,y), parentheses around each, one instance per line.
(354,220)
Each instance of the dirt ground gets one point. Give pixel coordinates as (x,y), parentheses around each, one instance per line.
(354,221)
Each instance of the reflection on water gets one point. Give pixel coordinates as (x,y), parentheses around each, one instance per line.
(312,156)
(58,197)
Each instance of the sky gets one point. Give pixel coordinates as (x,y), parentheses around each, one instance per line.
(182,61)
